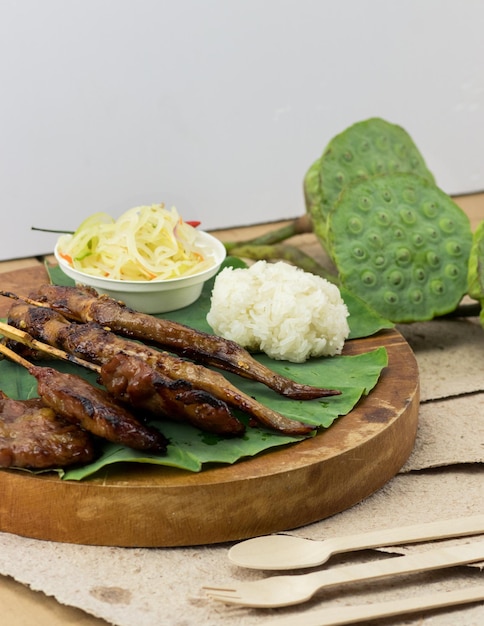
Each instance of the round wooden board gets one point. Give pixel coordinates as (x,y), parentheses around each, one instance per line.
(150,506)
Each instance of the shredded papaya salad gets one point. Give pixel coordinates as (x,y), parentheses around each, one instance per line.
(144,243)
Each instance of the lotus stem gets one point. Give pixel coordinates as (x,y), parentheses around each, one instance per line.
(298,226)
(284,252)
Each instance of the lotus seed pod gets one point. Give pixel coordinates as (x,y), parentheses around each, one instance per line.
(312,197)
(475,275)
(407,263)
(365,149)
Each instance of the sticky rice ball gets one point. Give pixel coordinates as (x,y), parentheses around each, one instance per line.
(279,309)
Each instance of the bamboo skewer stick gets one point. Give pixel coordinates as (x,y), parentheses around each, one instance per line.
(26,299)
(27,340)
(13,356)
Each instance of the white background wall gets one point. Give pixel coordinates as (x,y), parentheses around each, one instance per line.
(220,106)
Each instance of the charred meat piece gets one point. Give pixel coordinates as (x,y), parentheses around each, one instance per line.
(86,305)
(133,381)
(94,343)
(32,436)
(93,409)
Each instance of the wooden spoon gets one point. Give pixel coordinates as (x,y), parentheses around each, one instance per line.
(279,552)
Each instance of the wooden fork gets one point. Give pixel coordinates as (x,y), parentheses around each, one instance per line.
(338,616)
(287,590)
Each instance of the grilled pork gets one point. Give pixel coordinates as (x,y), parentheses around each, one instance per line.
(78,401)
(133,381)
(33,436)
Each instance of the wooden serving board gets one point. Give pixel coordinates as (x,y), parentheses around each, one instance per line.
(153,506)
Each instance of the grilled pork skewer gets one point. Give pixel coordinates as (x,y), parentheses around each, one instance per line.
(32,436)
(96,344)
(79,402)
(135,383)
(86,305)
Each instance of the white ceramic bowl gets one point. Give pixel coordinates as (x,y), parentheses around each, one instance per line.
(154,296)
